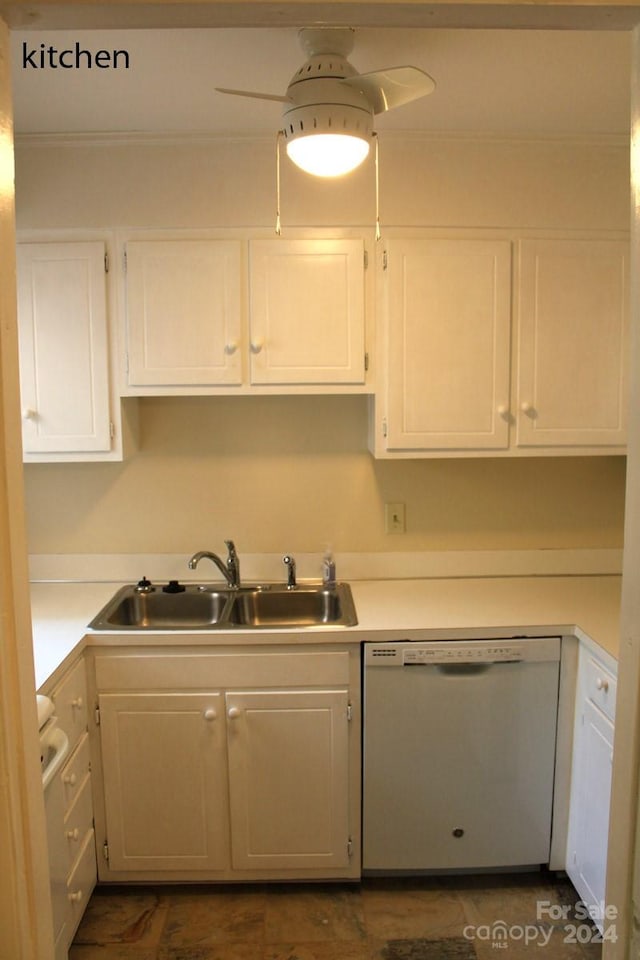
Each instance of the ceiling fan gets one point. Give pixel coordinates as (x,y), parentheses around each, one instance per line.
(328,107)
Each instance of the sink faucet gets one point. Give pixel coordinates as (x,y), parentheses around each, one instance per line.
(229,570)
(290,564)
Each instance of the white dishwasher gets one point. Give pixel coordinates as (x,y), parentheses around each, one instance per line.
(459,754)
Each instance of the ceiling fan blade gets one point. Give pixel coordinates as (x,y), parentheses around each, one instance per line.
(386,89)
(256,96)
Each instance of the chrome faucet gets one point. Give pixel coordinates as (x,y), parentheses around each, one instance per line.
(290,564)
(230,569)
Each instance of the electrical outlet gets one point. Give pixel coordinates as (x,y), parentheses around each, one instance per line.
(394,518)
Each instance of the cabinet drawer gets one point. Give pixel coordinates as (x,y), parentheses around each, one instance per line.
(141,671)
(70,699)
(75,772)
(81,883)
(601,687)
(78,821)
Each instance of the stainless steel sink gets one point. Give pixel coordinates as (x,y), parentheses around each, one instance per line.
(303,607)
(192,608)
(199,607)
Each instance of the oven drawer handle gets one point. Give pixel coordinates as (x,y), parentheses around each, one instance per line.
(60,743)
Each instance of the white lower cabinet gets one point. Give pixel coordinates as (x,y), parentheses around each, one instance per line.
(288,779)
(75,817)
(252,773)
(163,760)
(591,781)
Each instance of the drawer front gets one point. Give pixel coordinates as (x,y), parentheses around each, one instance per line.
(182,671)
(601,687)
(70,699)
(78,822)
(75,772)
(81,883)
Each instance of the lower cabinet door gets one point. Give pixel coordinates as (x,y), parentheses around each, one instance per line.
(164,763)
(288,779)
(589,816)
(80,884)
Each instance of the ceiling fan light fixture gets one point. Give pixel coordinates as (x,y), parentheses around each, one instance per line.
(328,154)
(328,139)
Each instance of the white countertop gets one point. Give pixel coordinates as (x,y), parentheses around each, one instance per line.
(586,606)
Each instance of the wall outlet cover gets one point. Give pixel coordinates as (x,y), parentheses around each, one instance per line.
(394,518)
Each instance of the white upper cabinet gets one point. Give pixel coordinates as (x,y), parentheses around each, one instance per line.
(572,339)
(459,378)
(448,327)
(307,311)
(243,315)
(183,312)
(64,350)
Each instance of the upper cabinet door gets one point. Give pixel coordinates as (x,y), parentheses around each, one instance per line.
(64,364)
(307,311)
(448,330)
(573,320)
(183,312)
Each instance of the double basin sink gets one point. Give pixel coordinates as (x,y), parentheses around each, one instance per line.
(204,607)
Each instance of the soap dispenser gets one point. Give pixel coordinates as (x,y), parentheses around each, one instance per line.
(328,569)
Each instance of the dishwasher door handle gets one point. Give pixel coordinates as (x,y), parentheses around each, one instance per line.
(470,668)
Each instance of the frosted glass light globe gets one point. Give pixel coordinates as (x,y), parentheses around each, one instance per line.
(328,154)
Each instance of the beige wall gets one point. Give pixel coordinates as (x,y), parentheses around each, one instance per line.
(294,473)
(424,181)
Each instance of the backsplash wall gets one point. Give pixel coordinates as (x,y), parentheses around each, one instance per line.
(293,473)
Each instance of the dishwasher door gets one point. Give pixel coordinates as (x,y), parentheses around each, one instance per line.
(459,754)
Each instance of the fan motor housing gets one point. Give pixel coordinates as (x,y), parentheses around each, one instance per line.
(322,66)
(325,105)
(327,118)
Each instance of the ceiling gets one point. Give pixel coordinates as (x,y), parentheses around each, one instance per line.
(493,82)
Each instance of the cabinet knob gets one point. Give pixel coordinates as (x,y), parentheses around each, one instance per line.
(503,410)
(602,684)
(256,346)
(526,407)
(210,714)
(230,348)
(75,897)
(233,713)
(78,703)
(73,834)
(28,413)
(70,778)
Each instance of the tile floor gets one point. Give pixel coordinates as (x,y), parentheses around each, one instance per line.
(461,918)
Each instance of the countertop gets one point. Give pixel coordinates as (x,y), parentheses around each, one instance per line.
(457,608)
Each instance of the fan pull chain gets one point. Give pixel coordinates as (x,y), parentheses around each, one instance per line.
(378,234)
(278,226)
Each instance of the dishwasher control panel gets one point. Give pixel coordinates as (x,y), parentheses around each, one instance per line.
(408,653)
(435,653)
